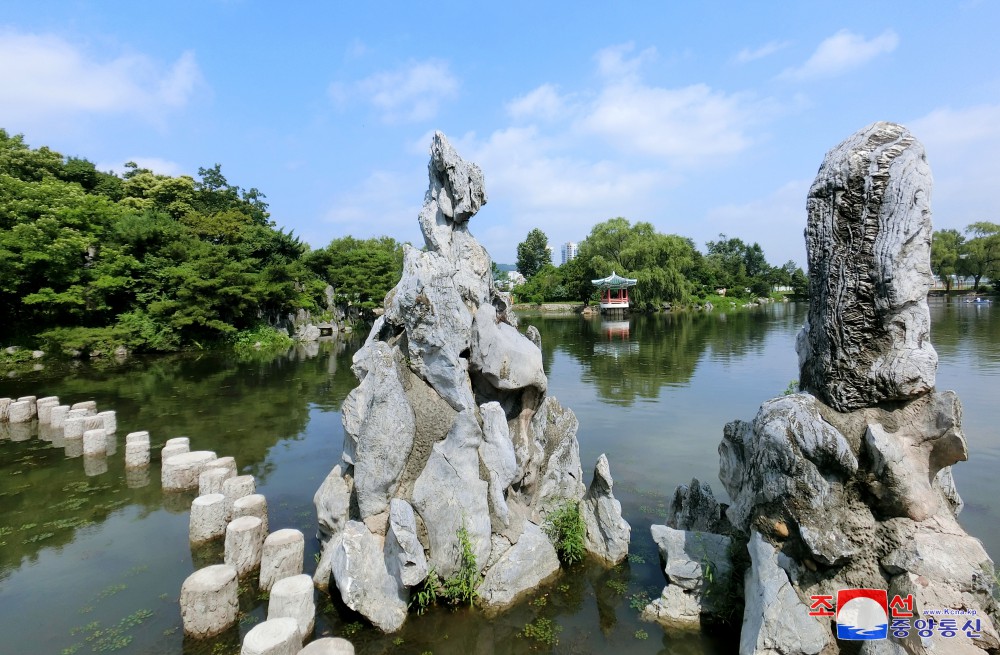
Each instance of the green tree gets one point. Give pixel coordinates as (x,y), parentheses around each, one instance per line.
(533,253)
(982,252)
(362,272)
(947,247)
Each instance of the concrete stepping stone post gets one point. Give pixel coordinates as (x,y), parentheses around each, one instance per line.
(273,637)
(292,597)
(73,445)
(244,544)
(180,472)
(236,488)
(179,441)
(141,435)
(328,646)
(77,413)
(110,443)
(226,463)
(283,554)
(136,454)
(208,518)
(19,412)
(89,406)
(94,422)
(171,450)
(252,505)
(73,428)
(110,419)
(4,409)
(94,465)
(57,415)
(94,443)
(212,479)
(44,407)
(32,407)
(210,601)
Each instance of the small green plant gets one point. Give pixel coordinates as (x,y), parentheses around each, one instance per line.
(398,641)
(639,600)
(458,589)
(616,586)
(635,558)
(541,601)
(543,631)
(793,387)
(352,629)
(641,634)
(566,528)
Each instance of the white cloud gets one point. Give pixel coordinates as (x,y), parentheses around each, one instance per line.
(408,94)
(385,202)
(961,147)
(840,53)
(613,62)
(543,103)
(688,124)
(47,76)
(747,55)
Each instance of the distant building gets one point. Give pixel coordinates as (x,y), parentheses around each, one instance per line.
(569,251)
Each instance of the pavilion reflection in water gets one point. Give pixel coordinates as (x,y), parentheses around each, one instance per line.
(616,341)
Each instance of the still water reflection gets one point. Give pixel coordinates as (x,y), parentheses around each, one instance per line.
(92,560)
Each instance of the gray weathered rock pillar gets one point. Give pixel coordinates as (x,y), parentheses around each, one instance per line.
(282,556)
(867,336)
(180,472)
(293,597)
(244,544)
(273,637)
(208,518)
(210,601)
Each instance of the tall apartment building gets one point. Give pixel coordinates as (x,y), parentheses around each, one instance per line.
(568,251)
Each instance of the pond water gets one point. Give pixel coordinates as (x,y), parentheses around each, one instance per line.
(92,560)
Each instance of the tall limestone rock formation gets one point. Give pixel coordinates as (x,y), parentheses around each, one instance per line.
(848,483)
(450,430)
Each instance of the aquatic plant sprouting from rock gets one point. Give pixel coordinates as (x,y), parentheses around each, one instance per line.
(848,484)
(450,432)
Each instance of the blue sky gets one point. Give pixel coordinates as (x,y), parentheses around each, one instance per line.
(702,118)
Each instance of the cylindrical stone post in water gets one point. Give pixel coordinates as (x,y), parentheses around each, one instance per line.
(19,412)
(169,451)
(273,637)
(244,544)
(44,407)
(210,601)
(73,428)
(284,551)
(293,597)
(212,480)
(180,472)
(94,443)
(89,406)
(32,407)
(57,415)
(136,454)
(208,518)
(252,505)
(226,463)
(236,488)
(73,446)
(328,646)
(110,421)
